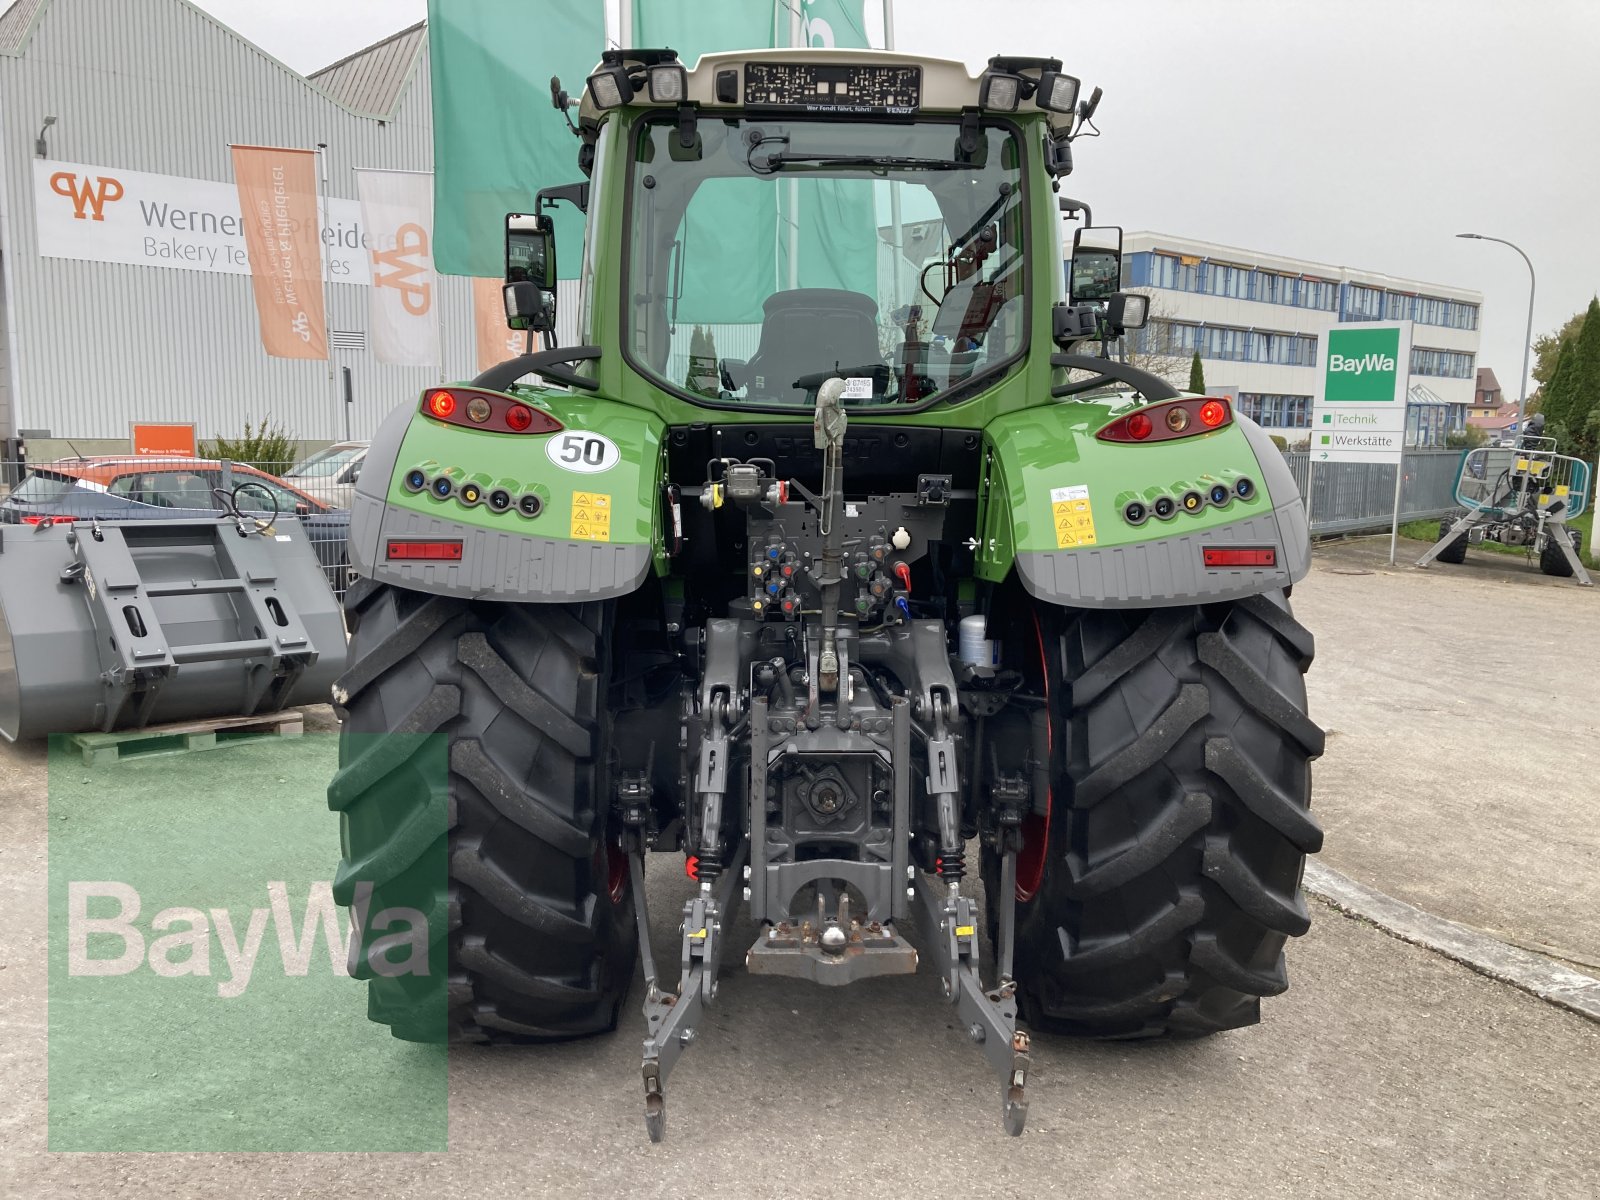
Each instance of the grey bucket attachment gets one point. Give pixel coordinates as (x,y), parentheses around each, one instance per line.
(121,626)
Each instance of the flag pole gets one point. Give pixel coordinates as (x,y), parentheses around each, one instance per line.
(324,255)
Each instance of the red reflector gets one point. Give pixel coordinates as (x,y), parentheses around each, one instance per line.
(1139,426)
(1240,556)
(52,520)
(519,417)
(691,867)
(1213,413)
(432,551)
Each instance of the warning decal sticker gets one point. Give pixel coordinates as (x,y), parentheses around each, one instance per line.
(1072,515)
(591,516)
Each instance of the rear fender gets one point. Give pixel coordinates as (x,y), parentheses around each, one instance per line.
(1056,503)
(597,532)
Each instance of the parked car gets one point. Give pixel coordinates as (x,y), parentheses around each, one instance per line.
(330,475)
(171,489)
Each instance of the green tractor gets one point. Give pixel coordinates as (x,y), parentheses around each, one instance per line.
(893,601)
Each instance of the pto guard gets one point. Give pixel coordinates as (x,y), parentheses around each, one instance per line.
(118,626)
(1156,564)
(505,556)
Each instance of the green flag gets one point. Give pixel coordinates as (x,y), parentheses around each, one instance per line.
(496,139)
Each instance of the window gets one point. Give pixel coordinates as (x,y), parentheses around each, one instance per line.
(1223,280)
(1276,411)
(1228,344)
(1362,303)
(1444,364)
(1170,271)
(165,489)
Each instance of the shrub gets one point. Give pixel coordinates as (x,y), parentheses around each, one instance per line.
(268,449)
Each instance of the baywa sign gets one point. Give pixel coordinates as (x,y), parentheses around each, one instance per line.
(1363,365)
(108,215)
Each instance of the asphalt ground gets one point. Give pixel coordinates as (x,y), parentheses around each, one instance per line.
(1462,705)
(1385,1070)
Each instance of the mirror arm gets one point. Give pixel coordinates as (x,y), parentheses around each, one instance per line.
(548,363)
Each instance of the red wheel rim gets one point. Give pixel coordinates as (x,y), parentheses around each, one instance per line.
(1036,829)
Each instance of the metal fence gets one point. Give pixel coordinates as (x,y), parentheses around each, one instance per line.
(1348,497)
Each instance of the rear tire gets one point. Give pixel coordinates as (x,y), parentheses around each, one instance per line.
(1179,825)
(507,841)
(1552,561)
(1456,551)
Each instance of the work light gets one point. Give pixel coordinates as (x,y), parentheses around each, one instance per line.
(999,91)
(609,87)
(669,84)
(1057,92)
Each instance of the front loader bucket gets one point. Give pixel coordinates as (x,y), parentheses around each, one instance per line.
(118,626)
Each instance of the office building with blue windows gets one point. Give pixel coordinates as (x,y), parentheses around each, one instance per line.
(1259,322)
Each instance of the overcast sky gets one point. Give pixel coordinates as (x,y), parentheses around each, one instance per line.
(1350,132)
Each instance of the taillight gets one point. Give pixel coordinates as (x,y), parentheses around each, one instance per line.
(487,410)
(51,520)
(1168,420)
(425,551)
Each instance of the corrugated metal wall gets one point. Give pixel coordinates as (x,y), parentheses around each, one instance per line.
(155,85)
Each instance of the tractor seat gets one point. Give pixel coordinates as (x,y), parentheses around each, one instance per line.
(809,330)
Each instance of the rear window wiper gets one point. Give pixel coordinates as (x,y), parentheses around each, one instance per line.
(777,161)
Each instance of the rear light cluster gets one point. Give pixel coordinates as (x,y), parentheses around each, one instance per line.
(1193,499)
(1168,420)
(487,410)
(1240,556)
(469,491)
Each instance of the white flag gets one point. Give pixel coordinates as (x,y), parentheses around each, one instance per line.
(397,216)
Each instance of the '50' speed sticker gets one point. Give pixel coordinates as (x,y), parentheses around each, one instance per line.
(586,453)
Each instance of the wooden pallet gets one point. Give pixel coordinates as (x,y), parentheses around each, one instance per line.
(185,737)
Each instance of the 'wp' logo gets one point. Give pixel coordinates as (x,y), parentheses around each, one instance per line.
(408,259)
(87,196)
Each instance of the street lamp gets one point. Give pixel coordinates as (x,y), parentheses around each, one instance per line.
(40,146)
(1527,341)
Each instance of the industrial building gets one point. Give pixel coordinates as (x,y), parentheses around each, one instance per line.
(1258,321)
(124,295)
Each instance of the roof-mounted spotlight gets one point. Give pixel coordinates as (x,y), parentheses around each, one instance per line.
(1000,91)
(1058,93)
(609,87)
(668,82)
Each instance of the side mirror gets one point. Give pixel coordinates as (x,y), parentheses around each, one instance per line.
(530,307)
(531,250)
(1096,264)
(530,294)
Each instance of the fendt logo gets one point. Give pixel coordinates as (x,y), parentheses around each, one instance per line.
(89,198)
(408,258)
(1355,366)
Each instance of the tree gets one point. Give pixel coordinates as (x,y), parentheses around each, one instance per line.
(1584,399)
(1547,347)
(267,449)
(1197,375)
(1555,396)
(1157,348)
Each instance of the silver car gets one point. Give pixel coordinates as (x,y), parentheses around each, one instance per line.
(330,475)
